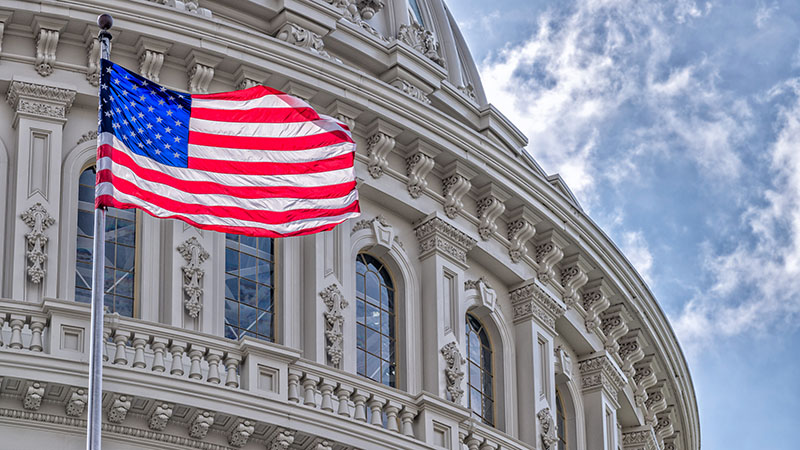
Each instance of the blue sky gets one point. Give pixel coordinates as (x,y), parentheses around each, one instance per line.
(677,125)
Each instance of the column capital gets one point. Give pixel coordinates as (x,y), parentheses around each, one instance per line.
(639,438)
(39,101)
(530,301)
(598,371)
(436,236)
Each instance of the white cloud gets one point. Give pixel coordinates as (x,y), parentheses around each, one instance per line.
(756,286)
(635,248)
(764,14)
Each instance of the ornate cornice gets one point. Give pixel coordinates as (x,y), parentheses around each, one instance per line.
(437,236)
(549,247)
(531,301)
(600,372)
(41,101)
(574,275)
(411,90)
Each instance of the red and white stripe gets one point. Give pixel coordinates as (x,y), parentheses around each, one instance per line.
(261,163)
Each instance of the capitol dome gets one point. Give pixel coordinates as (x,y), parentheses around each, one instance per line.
(473,305)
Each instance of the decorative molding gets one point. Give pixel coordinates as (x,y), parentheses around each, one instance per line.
(656,403)
(46,31)
(521,228)
(641,439)
(380,143)
(32,400)
(531,301)
(422,41)
(437,236)
(368,8)
(151,54)
(195,255)
(241,433)
(469,91)
(574,275)
(199,426)
(4,17)
(90,135)
(594,300)
(453,371)
(93,56)
(160,416)
(549,248)
(283,439)
(345,113)
(296,35)
(600,372)
(76,405)
(419,163)
(247,77)
(490,206)
(630,352)
(663,426)
(201,71)
(193,6)
(411,90)
(120,406)
(644,378)
(563,362)
(614,324)
(335,303)
(38,219)
(486,295)
(47,102)
(455,184)
(548,429)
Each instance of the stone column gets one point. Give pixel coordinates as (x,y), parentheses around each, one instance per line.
(443,255)
(535,315)
(601,380)
(33,212)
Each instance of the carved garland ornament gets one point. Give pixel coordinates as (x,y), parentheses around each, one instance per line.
(454,374)
(549,429)
(334,321)
(38,219)
(40,100)
(195,255)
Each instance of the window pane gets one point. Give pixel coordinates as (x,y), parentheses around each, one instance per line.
(361,340)
(264,324)
(375,327)
(265,298)
(474,347)
(247,292)
(373,342)
(475,400)
(248,287)
(374,368)
(85,223)
(373,288)
(360,311)
(232,287)
(373,317)
(474,375)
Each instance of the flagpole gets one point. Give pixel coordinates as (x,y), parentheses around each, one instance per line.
(95,421)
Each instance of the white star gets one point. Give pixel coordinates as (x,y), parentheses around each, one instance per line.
(124,137)
(180,106)
(168,130)
(177,123)
(117,81)
(169,112)
(141,145)
(103,86)
(158,152)
(148,142)
(134,87)
(171,97)
(177,139)
(140,115)
(125,122)
(161,102)
(108,113)
(167,146)
(159,119)
(118,110)
(162,89)
(108,70)
(145,83)
(115,126)
(149,126)
(141,98)
(141,130)
(177,154)
(125,93)
(133,134)
(127,77)
(150,109)
(158,135)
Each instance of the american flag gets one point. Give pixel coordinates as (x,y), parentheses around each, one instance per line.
(256,161)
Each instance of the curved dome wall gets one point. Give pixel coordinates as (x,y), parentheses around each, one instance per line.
(473,305)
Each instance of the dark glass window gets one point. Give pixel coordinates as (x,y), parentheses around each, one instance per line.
(375,321)
(249,287)
(120,262)
(416,13)
(561,422)
(480,378)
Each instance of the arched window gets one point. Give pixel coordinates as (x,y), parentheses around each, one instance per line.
(480,378)
(415,13)
(120,262)
(249,287)
(561,422)
(375,322)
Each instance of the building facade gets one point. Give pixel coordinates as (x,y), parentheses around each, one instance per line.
(472,306)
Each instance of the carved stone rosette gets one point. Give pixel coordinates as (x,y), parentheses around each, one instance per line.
(334,321)
(195,255)
(548,429)
(33,396)
(76,403)
(454,374)
(422,41)
(39,220)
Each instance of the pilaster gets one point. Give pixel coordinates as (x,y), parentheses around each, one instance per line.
(443,259)
(40,112)
(535,315)
(601,380)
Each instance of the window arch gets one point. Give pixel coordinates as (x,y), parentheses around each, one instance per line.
(480,375)
(376,335)
(561,422)
(249,287)
(120,262)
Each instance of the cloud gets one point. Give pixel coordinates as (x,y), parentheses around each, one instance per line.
(764,14)
(635,248)
(755,287)
(573,79)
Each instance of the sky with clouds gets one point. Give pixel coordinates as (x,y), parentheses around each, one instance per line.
(677,125)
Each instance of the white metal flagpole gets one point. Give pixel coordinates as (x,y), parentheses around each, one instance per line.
(95,422)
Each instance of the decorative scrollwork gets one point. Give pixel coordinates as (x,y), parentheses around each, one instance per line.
(38,219)
(549,429)
(454,374)
(334,321)
(195,255)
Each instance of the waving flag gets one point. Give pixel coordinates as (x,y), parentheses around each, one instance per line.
(256,161)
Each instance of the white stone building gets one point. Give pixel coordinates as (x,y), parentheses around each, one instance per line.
(473,306)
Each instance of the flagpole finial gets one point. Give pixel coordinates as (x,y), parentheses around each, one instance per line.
(105,21)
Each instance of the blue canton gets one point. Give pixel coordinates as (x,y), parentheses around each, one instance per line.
(151,120)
